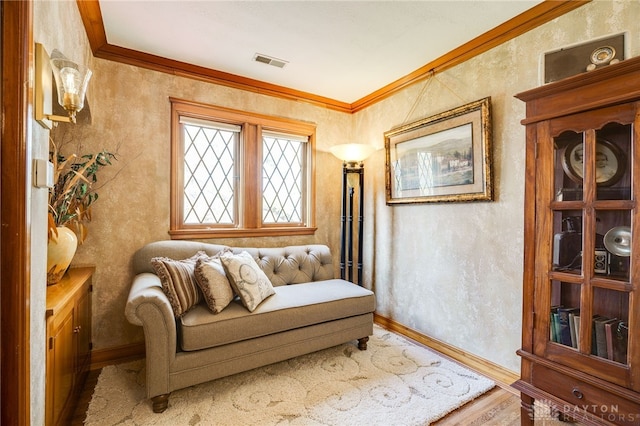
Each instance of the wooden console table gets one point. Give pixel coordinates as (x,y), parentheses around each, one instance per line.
(68,342)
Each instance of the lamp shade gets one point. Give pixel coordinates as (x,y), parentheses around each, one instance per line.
(352,152)
(71,80)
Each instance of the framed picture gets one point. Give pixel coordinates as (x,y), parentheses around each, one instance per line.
(442,158)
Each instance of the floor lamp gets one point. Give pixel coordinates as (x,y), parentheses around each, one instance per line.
(352,156)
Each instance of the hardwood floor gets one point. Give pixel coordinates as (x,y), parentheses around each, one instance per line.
(82,404)
(498,407)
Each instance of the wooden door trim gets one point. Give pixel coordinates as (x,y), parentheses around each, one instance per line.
(17,54)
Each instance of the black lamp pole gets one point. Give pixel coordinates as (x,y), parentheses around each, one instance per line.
(343,225)
(346,234)
(360,223)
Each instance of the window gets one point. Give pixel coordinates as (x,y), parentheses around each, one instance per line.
(239,174)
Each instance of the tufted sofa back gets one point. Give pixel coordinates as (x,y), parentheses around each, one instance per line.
(282,265)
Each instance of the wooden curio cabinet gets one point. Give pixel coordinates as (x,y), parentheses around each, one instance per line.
(581,297)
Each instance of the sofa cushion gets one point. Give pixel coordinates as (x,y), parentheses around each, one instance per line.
(247,279)
(291,307)
(213,282)
(178,281)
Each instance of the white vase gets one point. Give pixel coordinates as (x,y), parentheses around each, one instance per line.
(60,252)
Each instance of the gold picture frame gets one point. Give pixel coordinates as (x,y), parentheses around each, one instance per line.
(442,158)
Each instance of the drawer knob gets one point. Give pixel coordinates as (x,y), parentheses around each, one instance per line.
(576,392)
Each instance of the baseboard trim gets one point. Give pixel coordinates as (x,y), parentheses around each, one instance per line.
(116,355)
(502,376)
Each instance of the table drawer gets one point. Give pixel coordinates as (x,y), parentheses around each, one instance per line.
(581,395)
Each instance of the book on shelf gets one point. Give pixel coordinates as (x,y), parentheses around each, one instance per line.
(554,328)
(620,339)
(601,336)
(594,346)
(574,319)
(610,329)
(565,326)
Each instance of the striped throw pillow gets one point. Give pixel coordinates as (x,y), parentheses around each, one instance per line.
(179,282)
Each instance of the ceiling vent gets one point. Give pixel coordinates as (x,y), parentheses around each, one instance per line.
(269,60)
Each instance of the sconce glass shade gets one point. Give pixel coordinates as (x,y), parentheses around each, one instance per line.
(352,152)
(72,81)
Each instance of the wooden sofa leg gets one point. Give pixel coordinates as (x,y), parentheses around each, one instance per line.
(160,403)
(362,343)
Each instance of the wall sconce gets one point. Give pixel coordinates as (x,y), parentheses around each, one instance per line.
(352,155)
(71,82)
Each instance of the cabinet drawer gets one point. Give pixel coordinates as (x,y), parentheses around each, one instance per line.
(581,395)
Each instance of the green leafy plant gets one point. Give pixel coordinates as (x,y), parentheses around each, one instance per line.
(74,193)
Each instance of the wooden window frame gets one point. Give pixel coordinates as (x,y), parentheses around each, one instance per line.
(250,171)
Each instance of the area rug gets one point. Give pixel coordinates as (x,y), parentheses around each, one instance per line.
(393,382)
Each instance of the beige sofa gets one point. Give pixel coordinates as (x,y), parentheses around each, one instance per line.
(310,310)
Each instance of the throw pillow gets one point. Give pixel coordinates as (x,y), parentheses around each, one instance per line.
(213,282)
(178,281)
(247,279)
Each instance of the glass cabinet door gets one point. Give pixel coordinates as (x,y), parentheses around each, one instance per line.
(586,220)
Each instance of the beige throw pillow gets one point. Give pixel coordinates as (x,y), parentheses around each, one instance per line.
(179,282)
(247,279)
(213,282)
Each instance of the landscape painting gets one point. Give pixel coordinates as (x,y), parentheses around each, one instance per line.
(442,158)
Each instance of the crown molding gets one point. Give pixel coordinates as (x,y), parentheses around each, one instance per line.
(526,21)
(93,23)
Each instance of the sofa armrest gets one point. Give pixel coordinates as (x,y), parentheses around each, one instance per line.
(149,307)
(146,288)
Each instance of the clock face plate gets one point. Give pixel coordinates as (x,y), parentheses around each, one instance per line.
(603,55)
(610,162)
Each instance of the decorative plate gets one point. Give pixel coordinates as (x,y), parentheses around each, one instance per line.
(603,55)
(610,162)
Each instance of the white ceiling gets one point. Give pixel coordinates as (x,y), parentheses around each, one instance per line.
(342,50)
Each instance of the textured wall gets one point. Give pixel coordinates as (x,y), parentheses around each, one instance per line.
(131,115)
(48,19)
(452,271)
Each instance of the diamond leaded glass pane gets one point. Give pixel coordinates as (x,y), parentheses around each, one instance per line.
(282,179)
(209,190)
